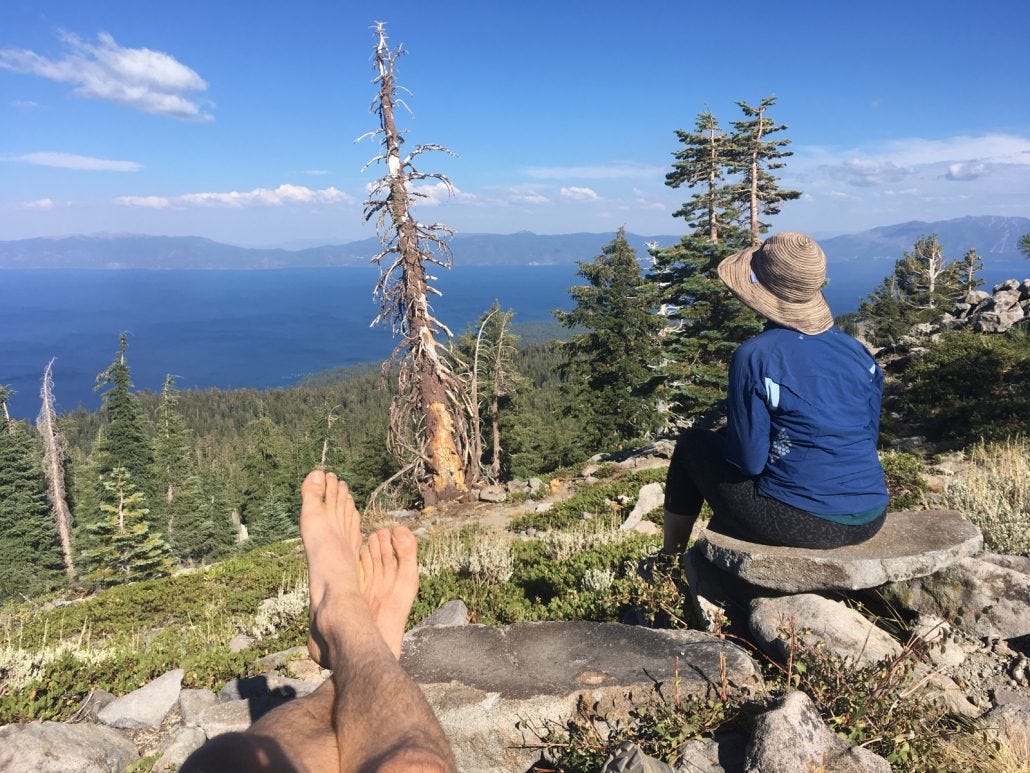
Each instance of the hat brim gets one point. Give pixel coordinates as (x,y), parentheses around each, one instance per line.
(810,317)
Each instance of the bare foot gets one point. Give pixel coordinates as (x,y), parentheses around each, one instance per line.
(331,530)
(389,573)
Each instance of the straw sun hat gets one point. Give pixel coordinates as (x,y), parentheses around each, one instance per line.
(782,279)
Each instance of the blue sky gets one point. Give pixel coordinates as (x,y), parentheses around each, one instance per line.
(236,120)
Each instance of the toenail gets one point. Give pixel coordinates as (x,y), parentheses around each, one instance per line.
(317,476)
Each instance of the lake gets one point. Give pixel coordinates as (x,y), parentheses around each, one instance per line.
(229,329)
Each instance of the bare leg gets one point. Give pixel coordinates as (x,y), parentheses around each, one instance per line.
(370,716)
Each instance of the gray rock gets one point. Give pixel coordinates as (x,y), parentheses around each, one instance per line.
(454,612)
(1004,299)
(240,642)
(589,470)
(1011,722)
(649,528)
(792,738)
(628,758)
(535,484)
(493,494)
(192,703)
(985,598)
(650,497)
(914,443)
(401,514)
(145,707)
(269,684)
(92,705)
(844,633)
(516,486)
(721,754)
(1008,284)
(842,630)
(1015,563)
(507,674)
(276,659)
(998,321)
(543,507)
(180,746)
(54,747)
(912,543)
(233,716)
(973,297)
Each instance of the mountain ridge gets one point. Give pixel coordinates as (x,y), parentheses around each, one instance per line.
(870,252)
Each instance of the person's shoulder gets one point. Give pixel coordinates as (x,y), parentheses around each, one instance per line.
(837,337)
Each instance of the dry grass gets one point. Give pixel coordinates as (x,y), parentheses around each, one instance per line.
(995,494)
(988,753)
(563,544)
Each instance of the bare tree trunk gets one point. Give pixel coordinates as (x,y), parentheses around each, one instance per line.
(53,469)
(475,435)
(495,403)
(430,395)
(755,233)
(713,225)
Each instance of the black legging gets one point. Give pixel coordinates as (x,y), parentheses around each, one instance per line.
(699,472)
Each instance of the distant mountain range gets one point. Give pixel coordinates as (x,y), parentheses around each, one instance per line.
(865,256)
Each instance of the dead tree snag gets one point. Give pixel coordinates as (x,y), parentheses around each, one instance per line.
(428,426)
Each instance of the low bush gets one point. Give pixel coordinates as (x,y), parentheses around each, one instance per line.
(906,485)
(995,494)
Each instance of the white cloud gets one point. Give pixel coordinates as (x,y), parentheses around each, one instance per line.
(436,193)
(316,172)
(574,193)
(611,171)
(24,104)
(147,202)
(40,204)
(73,161)
(866,172)
(527,197)
(284,194)
(151,81)
(965,170)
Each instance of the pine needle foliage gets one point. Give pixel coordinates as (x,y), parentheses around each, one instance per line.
(127,550)
(613,361)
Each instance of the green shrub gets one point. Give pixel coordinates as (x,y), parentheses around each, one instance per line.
(906,485)
(967,387)
(600,499)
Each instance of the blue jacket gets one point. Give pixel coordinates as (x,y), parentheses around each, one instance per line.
(804,418)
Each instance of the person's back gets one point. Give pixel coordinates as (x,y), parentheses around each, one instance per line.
(804,418)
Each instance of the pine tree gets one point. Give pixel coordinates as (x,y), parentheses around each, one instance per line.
(704,321)
(175,475)
(29,557)
(702,162)
(322,446)
(967,272)
(126,549)
(267,471)
(614,359)
(271,521)
(927,282)
(885,313)
(1024,245)
(125,442)
(755,158)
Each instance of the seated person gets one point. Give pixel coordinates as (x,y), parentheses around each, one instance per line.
(796,464)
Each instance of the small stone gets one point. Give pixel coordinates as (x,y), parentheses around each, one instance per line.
(589,470)
(180,746)
(192,703)
(493,494)
(240,642)
(535,484)
(590,480)
(650,497)
(531,532)
(543,507)
(454,612)
(650,528)
(401,515)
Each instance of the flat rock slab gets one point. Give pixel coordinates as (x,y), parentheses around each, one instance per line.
(912,543)
(482,682)
(555,658)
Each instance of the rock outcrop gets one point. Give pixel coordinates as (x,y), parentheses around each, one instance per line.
(912,543)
